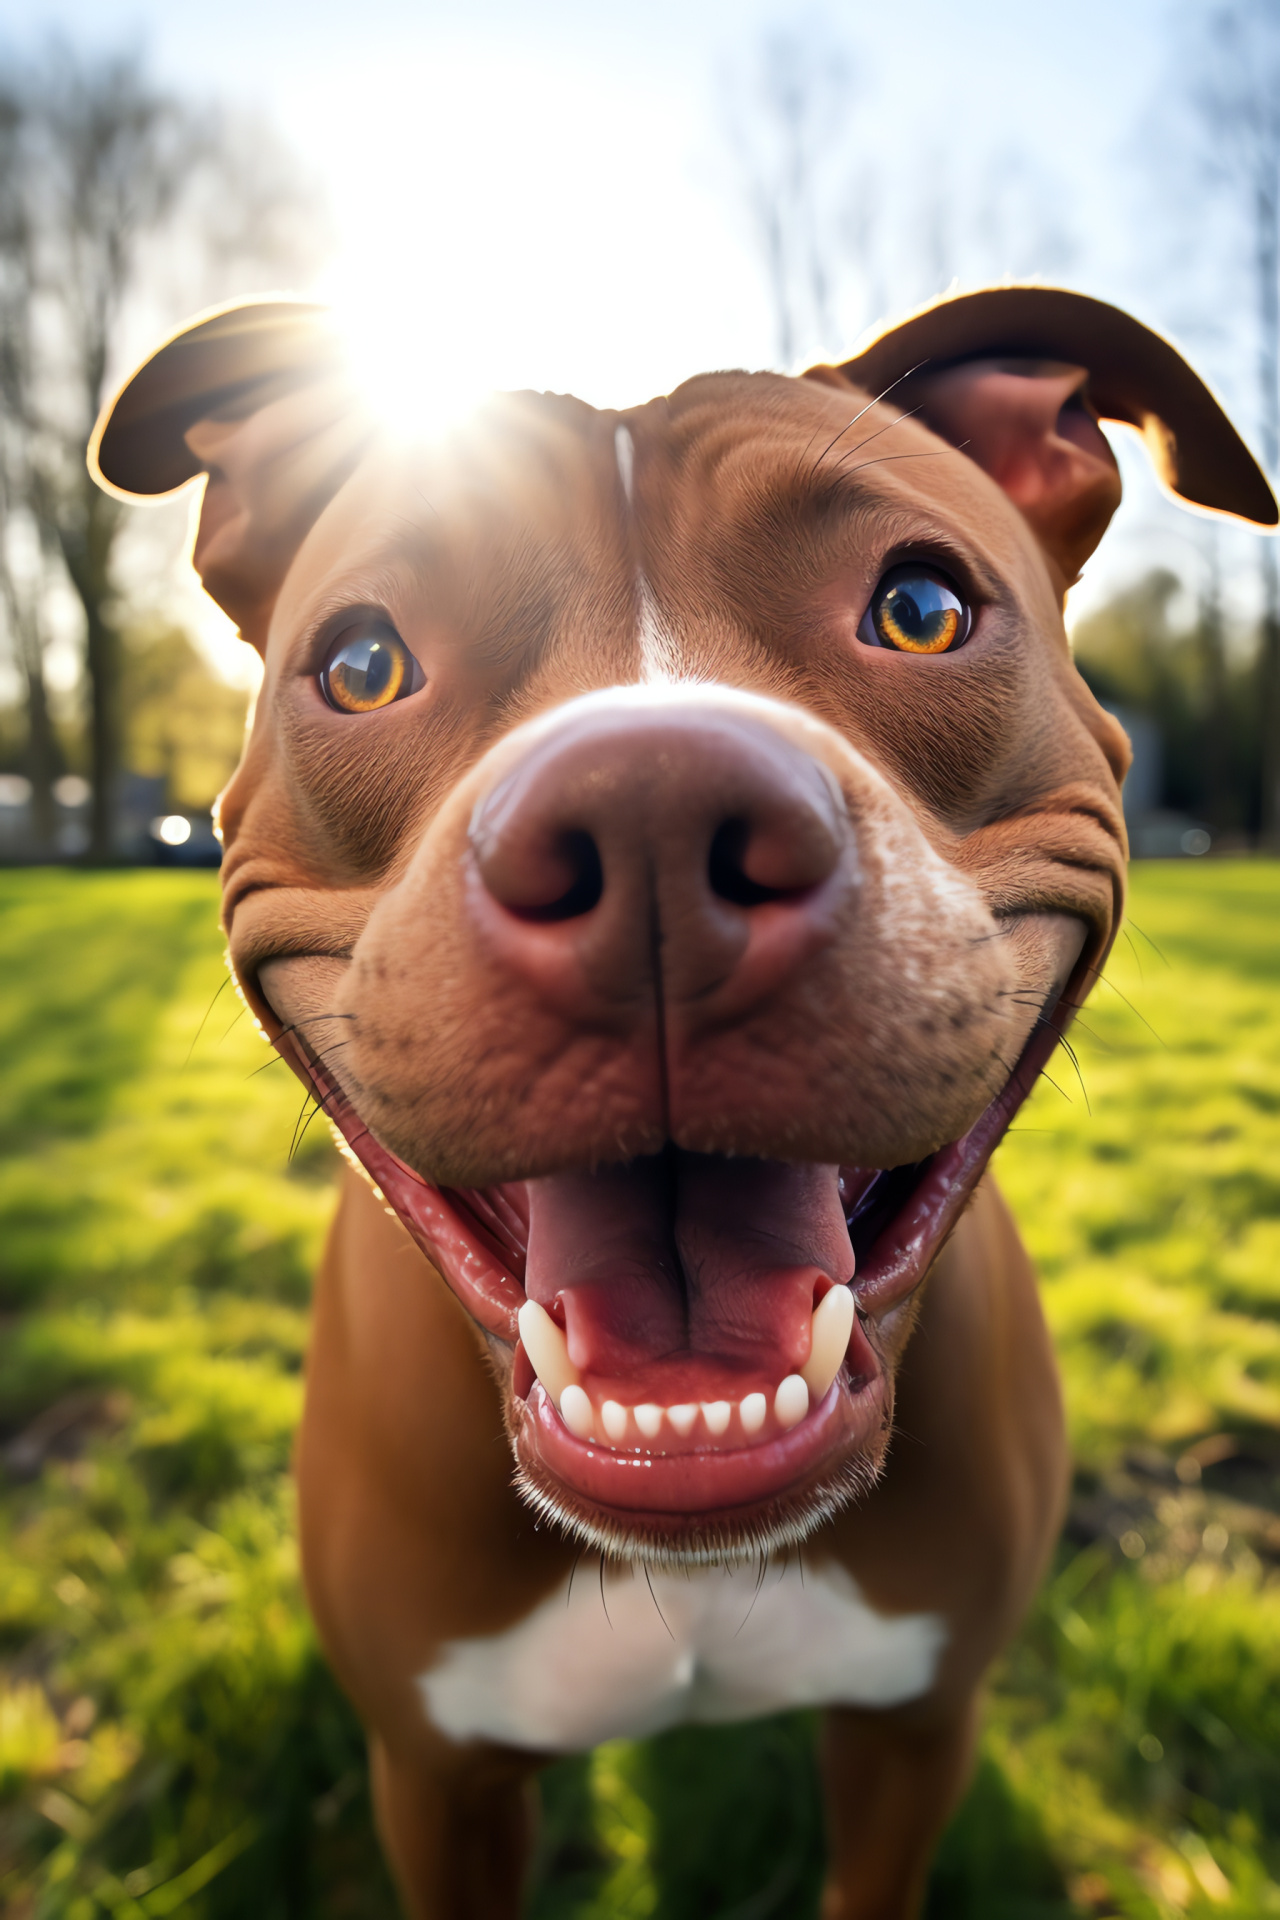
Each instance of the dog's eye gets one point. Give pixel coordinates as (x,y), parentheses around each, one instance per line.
(916,610)
(369,667)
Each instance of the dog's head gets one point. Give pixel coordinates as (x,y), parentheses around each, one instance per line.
(671,843)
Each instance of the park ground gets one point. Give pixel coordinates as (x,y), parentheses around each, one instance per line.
(170,1740)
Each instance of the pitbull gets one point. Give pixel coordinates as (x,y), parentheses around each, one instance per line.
(669,844)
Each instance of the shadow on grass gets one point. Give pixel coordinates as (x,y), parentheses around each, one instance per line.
(725,1824)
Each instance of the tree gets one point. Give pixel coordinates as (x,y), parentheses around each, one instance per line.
(111,182)
(1236,92)
(850,224)
(787,123)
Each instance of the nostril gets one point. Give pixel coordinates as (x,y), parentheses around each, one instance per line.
(727,872)
(578,858)
(754,861)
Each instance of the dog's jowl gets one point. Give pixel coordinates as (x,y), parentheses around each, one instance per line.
(671,843)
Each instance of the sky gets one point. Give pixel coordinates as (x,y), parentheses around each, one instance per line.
(547,194)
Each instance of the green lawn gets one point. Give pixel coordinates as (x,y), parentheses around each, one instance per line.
(170,1742)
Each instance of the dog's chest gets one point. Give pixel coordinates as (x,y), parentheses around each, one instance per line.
(635,1655)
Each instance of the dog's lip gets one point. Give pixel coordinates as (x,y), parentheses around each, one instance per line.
(684,1490)
(475,1257)
(673,1488)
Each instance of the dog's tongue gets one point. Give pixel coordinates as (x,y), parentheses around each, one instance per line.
(702,1268)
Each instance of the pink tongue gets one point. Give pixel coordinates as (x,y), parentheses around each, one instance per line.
(687,1258)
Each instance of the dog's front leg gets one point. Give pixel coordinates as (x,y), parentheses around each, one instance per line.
(891,1781)
(458,1835)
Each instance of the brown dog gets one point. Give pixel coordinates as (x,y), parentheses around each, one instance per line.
(670,843)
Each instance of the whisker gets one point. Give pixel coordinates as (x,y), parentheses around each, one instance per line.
(306,1123)
(1072,1056)
(276,1060)
(603,1602)
(226,1030)
(887,459)
(653,1596)
(1102,979)
(1158,951)
(307,1098)
(861,415)
(226,982)
(1093,1034)
(764,1568)
(887,428)
(319,1107)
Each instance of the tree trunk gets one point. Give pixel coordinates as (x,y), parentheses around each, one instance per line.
(43,756)
(1221,779)
(102,659)
(1267,261)
(86,548)
(1269,701)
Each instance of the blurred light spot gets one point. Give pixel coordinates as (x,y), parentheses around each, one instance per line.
(1150,1748)
(1215,1539)
(15,790)
(417,390)
(174,829)
(71,790)
(1132,1544)
(1196,841)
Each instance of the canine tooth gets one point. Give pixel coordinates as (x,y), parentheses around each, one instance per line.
(791,1401)
(832,1325)
(548,1350)
(752,1412)
(614,1416)
(648,1419)
(716,1414)
(577,1412)
(683,1416)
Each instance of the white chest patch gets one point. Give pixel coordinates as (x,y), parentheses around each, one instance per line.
(706,1646)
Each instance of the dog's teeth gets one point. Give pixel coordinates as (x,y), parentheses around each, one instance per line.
(548,1351)
(716,1414)
(791,1401)
(683,1417)
(832,1325)
(614,1416)
(648,1419)
(577,1412)
(752,1411)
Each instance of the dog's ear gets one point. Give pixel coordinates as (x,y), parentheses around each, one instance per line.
(1018,376)
(258,397)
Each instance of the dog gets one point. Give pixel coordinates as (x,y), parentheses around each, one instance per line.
(670,843)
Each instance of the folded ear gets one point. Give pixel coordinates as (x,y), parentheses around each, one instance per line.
(258,397)
(1019,376)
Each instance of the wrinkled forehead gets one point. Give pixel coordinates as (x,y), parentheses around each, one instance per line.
(527,474)
(546,479)
(783,456)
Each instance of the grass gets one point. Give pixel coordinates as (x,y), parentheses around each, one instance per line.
(170,1741)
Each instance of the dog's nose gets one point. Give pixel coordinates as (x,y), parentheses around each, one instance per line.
(687,845)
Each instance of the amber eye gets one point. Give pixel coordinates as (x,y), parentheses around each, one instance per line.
(369,667)
(916,610)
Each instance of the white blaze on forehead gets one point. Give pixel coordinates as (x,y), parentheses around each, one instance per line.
(624,449)
(660,657)
(714,1645)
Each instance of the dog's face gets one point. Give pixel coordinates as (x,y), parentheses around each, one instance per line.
(670,843)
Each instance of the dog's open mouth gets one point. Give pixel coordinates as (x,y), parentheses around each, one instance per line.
(698,1341)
